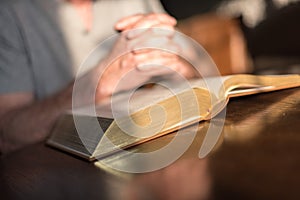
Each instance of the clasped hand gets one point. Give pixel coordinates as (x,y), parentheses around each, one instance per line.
(131,62)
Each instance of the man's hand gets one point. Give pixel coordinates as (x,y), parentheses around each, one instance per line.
(138,62)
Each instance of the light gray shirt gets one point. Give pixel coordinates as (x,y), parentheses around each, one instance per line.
(43,42)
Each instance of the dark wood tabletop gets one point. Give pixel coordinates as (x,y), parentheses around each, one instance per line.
(256,157)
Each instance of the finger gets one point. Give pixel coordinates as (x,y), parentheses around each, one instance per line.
(185,69)
(169,49)
(152,19)
(159,62)
(162,18)
(156,62)
(146,44)
(151,55)
(127,61)
(156,29)
(145,21)
(127,21)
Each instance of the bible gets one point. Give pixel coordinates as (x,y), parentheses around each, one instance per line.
(156,117)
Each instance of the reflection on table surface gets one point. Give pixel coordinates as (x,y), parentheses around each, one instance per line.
(256,157)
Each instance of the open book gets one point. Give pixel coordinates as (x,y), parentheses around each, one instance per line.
(204,100)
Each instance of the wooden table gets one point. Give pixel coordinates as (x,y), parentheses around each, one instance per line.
(256,157)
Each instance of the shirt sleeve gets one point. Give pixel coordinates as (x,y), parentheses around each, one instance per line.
(15,73)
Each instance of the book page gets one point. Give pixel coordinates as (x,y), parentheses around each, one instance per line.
(245,84)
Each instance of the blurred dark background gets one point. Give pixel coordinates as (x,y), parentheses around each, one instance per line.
(183,9)
(272,41)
